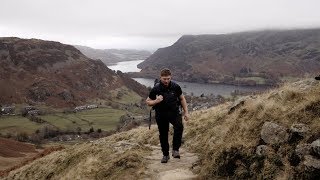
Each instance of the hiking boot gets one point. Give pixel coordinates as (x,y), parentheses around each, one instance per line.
(175,154)
(317,77)
(165,159)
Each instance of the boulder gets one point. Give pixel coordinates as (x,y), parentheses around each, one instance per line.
(311,163)
(302,150)
(315,145)
(298,132)
(311,168)
(272,133)
(300,129)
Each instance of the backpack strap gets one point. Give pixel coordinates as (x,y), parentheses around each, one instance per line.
(150,118)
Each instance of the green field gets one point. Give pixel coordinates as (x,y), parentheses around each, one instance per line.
(127,96)
(258,80)
(106,117)
(103,118)
(15,124)
(100,118)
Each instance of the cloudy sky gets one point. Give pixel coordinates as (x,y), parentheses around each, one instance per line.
(148,24)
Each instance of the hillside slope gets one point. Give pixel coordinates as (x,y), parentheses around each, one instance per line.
(248,58)
(11,148)
(34,71)
(230,140)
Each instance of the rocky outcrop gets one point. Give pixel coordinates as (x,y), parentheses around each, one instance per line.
(311,162)
(302,157)
(316,147)
(298,132)
(311,168)
(272,133)
(302,150)
(299,129)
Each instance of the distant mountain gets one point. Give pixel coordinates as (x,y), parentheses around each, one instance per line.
(55,74)
(248,58)
(112,56)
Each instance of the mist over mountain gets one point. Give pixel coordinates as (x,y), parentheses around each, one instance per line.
(112,56)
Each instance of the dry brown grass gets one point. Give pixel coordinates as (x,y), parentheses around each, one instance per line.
(214,132)
(225,142)
(16,163)
(117,156)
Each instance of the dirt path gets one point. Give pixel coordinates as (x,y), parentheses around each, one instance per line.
(174,169)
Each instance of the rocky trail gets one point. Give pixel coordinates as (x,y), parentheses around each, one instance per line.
(174,169)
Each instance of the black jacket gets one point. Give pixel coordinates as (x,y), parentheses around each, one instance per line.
(171,101)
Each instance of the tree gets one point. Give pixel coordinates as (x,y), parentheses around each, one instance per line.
(23,137)
(91,130)
(79,130)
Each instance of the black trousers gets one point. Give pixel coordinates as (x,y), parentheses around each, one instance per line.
(163,127)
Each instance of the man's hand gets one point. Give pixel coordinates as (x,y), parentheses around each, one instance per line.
(159,99)
(186,116)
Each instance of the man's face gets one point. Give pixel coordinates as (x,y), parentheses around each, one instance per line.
(165,80)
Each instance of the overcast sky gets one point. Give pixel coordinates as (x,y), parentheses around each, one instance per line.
(148,24)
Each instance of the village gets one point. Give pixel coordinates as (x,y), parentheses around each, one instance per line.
(32,110)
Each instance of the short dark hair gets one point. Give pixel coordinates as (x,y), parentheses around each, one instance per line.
(165,72)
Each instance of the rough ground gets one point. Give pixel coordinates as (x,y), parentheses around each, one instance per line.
(12,148)
(227,139)
(174,169)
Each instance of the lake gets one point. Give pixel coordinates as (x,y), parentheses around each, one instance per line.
(196,88)
(127,66)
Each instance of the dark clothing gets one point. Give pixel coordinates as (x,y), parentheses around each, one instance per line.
(163,127)
(167,111)
(171,101)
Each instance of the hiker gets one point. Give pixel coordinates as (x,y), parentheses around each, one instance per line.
(166,97)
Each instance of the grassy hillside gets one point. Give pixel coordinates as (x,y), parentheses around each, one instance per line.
(58,75)
(225,138)
(230,139)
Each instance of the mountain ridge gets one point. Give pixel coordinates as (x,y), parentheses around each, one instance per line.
(34,71)
(245,58)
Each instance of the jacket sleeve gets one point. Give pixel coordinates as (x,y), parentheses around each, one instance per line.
(153,93)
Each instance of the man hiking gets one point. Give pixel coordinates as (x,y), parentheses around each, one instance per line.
(166,97)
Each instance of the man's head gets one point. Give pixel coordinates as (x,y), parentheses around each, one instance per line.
(165,76)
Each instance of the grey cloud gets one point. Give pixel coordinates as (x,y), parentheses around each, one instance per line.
(148,23)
